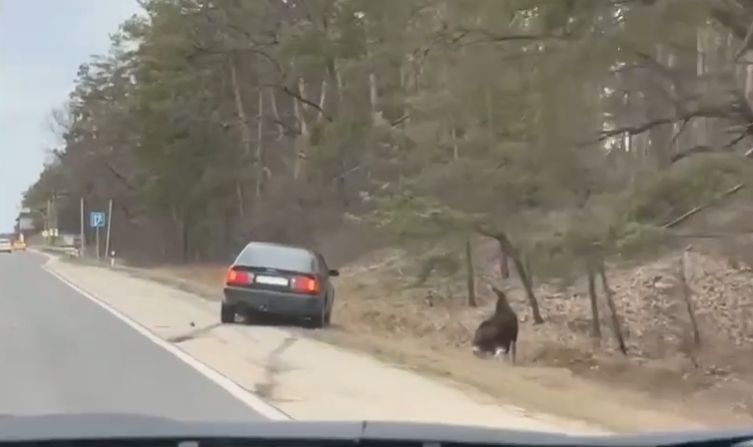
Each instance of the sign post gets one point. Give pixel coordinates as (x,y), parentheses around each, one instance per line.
(82,244)
(97,220)
(109,226)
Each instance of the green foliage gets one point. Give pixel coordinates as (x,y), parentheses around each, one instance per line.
(411,218)
(640,240)
(691,183)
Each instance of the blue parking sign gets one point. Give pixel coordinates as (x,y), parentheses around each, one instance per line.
(96,219)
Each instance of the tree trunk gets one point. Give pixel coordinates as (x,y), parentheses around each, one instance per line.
(701,125)
(527,264)
(340,87)
(372,79)
(689,303)
(373,95)
(276,113)
(595,324)
(373,89)
(455,149)
(749,85)
(181,226)
(526,280)
(504,264)
(418,72)
(609,295)
(506,246)
(185,249)
(258,157)
(240,109)
(471,274)
(241,200)
(322,100)
(176,235)
(302,145)
(302,141)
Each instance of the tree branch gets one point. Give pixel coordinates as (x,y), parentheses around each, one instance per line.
(699,149)
(679,132)
(708,112)
(254,50)
(634,130)
(118,175)
(492,37)
(700,208)
(746,42)
(285,89)
(729,19)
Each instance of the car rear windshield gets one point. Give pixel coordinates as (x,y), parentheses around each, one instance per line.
(277,257)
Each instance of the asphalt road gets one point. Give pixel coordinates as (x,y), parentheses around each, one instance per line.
(62,353)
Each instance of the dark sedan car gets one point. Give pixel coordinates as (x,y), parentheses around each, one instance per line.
(280,280)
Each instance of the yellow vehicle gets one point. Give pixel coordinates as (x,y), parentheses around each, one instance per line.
(19,245)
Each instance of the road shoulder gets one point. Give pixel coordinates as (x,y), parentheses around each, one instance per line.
(286,367)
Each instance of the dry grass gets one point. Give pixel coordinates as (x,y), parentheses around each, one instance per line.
(562,370)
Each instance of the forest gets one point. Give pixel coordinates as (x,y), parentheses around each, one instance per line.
(570,132)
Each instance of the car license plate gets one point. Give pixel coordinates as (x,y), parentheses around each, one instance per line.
(272,280)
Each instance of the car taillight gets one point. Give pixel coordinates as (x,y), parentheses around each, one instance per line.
(305,284)
(238,277)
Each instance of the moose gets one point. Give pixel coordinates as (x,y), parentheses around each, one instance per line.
(499,333)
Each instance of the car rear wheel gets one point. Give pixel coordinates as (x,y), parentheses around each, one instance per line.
(227,313)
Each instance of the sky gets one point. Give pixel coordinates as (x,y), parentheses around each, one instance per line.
(42,43)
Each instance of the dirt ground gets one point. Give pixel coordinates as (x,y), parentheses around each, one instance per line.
(665,382)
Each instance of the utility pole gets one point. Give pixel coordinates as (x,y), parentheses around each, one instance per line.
(47,225)
(82,244)
(53,217)
(109,225)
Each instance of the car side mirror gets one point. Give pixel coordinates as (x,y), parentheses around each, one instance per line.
(334,272)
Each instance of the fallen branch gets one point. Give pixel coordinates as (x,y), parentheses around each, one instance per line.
(700,208)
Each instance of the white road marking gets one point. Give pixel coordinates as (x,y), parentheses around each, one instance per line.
(237,391)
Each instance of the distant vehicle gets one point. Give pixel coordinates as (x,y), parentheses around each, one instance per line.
(69,240)
(281,280)
(6,246)
(19,245)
